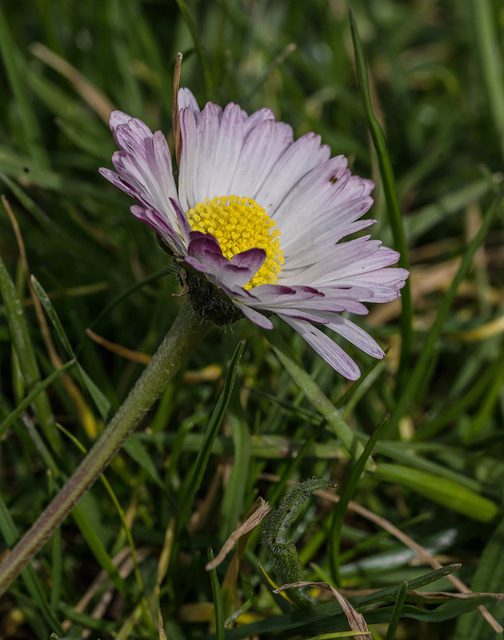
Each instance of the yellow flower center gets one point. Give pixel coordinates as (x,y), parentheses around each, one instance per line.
(239,224)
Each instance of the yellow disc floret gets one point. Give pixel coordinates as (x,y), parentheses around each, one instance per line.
(239,224)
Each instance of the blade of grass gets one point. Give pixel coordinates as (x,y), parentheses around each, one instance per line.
(462,402)
(279,488)
(57,568)
(331,611)
(487,403)
(489,575)
(387,176)
(195,475)
(232,501)
(320,401)
(277,62)
(349,487)
(30,128)
(486,32)
(417,377)
(396,613)
(32,582)
(126,529)
(440,490)
(127,292)
(217,598)
(101,402)
(6,423)
(202,57)
(423,220)
(136,450)
(28,203)
(26,356)
(417,457)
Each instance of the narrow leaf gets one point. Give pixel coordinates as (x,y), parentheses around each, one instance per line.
(445,492)
(217,598)
(32,395)
(489,576)
(395,216)
(26,356)
(319,401)
(349,487)
(101,402)
(197,472)
(396,613)
(135,448)
(417,377)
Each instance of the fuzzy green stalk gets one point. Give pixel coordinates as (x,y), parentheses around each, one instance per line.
(185,334)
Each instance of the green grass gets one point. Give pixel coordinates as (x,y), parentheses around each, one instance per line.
(131,558)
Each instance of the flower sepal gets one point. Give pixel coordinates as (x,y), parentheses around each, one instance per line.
(207,299)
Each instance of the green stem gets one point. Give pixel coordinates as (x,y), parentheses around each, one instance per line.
(184,335)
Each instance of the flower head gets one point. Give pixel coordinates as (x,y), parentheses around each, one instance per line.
(261,218)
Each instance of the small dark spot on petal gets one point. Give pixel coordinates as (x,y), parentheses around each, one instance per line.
(333,179)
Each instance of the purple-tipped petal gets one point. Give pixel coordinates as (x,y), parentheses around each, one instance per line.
(252,259)
(117,118)
(356,336)
(325,347)
(205,255)
(256,317)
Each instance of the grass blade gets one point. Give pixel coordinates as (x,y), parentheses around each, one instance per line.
(26,356)
(489,576)
(32,395)
(320,401)
(101,402)
(416,379)
(202,56)
(345,497)
(217,598)
(30,127)
(331,612)
(440,490)
(396,614)
(233,499)
(387,176)
(28,575)
(485,25)
(195,476)
(131,289)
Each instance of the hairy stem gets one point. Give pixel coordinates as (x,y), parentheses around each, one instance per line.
(184,335)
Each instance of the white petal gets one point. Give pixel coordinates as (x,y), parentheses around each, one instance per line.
(261,150)
(227,152)
(186,99)
(301,246)
(298,160)
(207,135)
(188,159)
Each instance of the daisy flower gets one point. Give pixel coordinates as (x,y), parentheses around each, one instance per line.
(259,220)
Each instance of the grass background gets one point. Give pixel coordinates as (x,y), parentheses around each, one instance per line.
(437,470)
